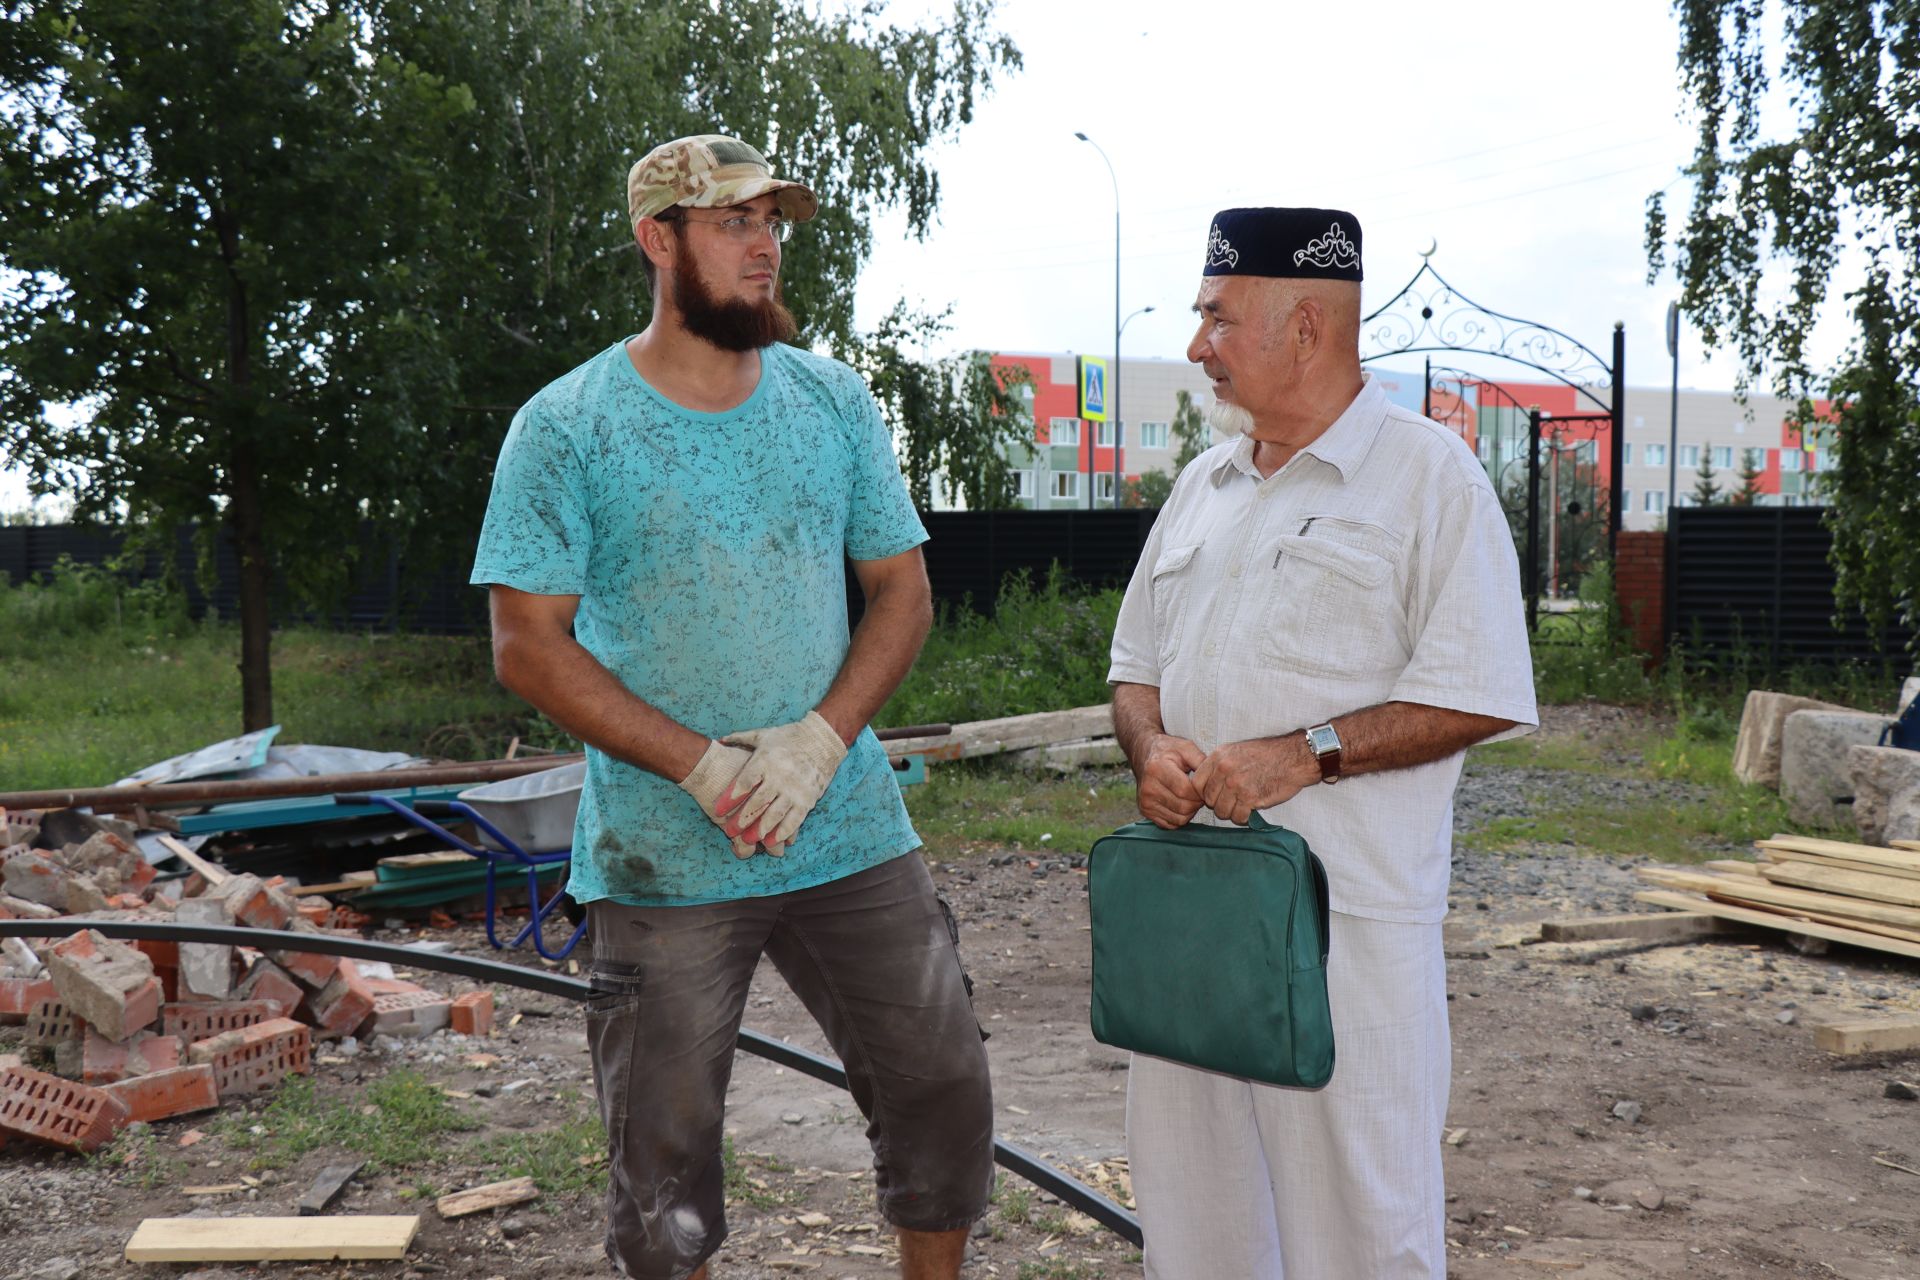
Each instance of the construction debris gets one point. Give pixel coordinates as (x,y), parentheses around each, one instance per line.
(272,1239)
(123,1032)
(495,1195)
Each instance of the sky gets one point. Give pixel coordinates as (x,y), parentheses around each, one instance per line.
(1520,140)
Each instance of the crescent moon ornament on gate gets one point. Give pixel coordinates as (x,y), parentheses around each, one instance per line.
(1432,244)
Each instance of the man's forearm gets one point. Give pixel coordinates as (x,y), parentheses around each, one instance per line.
(571,688)
(1136,720)
(1397,735)
(884,646)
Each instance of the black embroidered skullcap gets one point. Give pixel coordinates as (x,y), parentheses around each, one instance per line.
(1295,244)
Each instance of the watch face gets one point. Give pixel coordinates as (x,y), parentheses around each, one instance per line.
(1322,739)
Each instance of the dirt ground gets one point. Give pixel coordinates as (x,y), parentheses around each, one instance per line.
(1754,1154)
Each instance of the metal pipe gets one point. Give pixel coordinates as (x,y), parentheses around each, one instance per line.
(165,795)
(1014,1159)
(1533,519)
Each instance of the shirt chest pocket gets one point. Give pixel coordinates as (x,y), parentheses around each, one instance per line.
(1335,605)
(1173,578)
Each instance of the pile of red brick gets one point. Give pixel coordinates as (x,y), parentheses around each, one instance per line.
(142,1031)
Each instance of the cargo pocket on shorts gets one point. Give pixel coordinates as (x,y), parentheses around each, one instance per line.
(953,936)
(612,1011)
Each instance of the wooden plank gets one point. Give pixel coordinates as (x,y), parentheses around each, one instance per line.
(332,1181)
(1010,733)
(1869,1035)
(1852,884)
(1649,925)
(1903,859)
(1775,856)
(1768,920)
(1734,867)
(211,873)
(495,1195)
(1757,889)
(354,880)
(1824,917)
(272,1239)
(1913,845)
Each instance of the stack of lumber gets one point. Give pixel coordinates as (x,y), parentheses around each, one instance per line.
(1862,895)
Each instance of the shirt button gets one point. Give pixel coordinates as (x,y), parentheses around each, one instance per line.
(1236,571)
(1210,648)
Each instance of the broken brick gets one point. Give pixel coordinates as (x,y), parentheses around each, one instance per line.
(268,981)
(206,968)
(253,903)
(313,969)
(316,913)
(49,1022)
(104,1061)
(393,986)
(198,1021)
(256,1058)
(22,909)
(163,954)
(34,877)
(19,995)
(165,1094)
(343,1004)
(407,1013)
(107,983)
(57,1112)
(472,1013)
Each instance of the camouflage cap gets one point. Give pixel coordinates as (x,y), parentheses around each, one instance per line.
(709,172)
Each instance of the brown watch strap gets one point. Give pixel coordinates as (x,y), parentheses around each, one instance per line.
(1330,766)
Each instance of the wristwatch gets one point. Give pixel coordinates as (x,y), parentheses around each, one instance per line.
(1325,745)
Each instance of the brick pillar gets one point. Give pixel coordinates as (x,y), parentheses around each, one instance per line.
(1640,585)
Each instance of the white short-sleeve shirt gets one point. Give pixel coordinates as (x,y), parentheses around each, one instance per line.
(1375,566)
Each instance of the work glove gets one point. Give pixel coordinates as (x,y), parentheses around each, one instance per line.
(790,769)
(719,765)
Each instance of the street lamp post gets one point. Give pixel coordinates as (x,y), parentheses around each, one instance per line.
(1113,409)
(1116,401)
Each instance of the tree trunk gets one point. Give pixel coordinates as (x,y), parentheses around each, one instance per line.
(245,514)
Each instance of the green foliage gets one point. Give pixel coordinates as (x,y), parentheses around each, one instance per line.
(1042,649)
(398,1120)
(1706,486)
(953,419)
(81,600)
(742,1185)
(275,267)
(970,804)
(1149,489)
(568,1159)
(1750,471)
(1842,172)
(1189,427)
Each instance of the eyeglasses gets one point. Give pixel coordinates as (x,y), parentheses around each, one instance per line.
(744,227)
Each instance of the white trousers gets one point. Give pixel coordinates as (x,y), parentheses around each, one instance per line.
(1241,1180)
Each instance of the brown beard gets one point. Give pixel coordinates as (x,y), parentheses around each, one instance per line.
(732,325)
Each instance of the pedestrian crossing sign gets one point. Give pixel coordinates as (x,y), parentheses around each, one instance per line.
(1093,388)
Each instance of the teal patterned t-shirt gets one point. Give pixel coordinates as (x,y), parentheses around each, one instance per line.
(708,551)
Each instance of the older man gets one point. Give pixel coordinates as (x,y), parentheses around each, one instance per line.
(1326,615)
(665,548)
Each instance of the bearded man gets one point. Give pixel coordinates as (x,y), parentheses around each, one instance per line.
(664,549)
(1329,597)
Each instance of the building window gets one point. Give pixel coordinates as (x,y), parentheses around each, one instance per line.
(1789,461)
(1626,455)
(1689,456)
(1656,501)
(1484,447)
(1682,499)
(1822,459)
(1586,451)
(1064,431)
(1103,486)
(1023,485)
(1626,499)
(1654,455)
(1066,484)
(1103,433)
(1755,458)
(1153,435)
(1639,420)
(1723,457)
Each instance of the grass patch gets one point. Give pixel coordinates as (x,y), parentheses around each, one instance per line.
(1693,831)
(1013,1200)
(1059,1269)
(968,805)
(567,1160)
(397,1121)
(743,1183)
(135,1153)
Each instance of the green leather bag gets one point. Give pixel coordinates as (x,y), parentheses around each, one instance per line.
(1210,948)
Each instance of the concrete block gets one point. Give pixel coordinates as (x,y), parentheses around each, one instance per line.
(1886,793)
(104,852)
(107,983)
(103,1061)
(1813,762)
(195,1021)
(206,968)
(24,909)
(165,1094)
(342,1005)
(1756,752)
(256,1058)
(60,1113)
(472,1014)
(19,995)
(50,1022)
(34,877)
(407,1014)
(268,981)
(24,959)
(84,896)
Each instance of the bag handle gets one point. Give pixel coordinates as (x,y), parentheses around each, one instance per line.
(1255,822)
